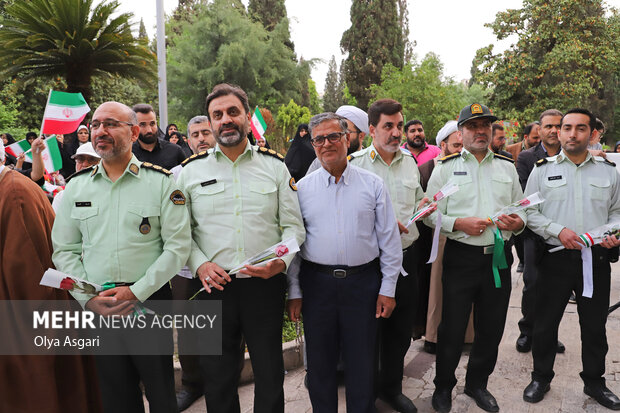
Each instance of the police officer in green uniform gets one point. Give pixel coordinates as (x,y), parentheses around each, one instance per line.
(124,221)
(399,171)
(581,192)
(487,182)
(242,200)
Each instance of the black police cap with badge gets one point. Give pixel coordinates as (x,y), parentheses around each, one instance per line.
(475,111)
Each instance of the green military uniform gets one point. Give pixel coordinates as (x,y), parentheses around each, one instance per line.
(134,230)
(484,188)
(402,179)
(238,209)
(578,197)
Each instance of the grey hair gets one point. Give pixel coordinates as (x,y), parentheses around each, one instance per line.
(324,117)
(195,120)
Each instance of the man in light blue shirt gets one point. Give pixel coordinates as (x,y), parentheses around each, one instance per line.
(346,270)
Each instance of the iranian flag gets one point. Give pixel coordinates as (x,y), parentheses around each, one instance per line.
(63,113)
(19,147)
(51,155)
(258,125)
(52,160)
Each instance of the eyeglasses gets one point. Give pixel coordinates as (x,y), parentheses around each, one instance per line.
(108,124)
(332,137)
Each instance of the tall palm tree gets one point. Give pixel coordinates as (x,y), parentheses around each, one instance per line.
(71,39)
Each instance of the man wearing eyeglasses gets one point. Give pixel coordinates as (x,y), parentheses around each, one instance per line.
(347,269)
(399,171)
(123,221)
(148,147)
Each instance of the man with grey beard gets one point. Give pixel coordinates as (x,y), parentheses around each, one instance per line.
(148,147)
(242,200)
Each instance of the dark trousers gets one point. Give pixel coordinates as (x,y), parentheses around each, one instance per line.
(184,289)
(120,377)
(339,314)
(252,308)
(560,273)
(395,332)
(468,279)
(533,247)
(518,242)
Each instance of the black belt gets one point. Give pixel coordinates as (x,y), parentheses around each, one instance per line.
(342,271)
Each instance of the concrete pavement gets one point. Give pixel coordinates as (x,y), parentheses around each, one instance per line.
(510,377)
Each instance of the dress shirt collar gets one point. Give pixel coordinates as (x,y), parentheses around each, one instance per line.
(132,169)
(329,179)
(561,157)
(1,167)
(373,153)
(465,154)
(219,154)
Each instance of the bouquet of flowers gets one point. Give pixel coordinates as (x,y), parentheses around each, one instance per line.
(531,200)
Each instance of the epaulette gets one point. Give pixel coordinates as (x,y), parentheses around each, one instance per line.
(157,168)
(405,152)
(608,162)
(80,172)
(449,157)
(270,152)
(541,162)
(195,156)
(504,158)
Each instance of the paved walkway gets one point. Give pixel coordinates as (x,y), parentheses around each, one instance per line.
(511,375)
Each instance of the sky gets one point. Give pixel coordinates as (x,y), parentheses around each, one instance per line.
(452,29)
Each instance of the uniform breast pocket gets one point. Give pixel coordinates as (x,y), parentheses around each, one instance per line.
(409,189)
(263,196)
(460,198)
(502,189)
(206,198)
(600,189)
(87,219)
(143,220)
(555,189)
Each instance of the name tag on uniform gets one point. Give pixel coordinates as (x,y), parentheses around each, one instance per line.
(211,182)
(83,204)
(460,172)
(554,178)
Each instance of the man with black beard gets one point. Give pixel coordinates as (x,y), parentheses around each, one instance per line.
(416,142)
(242,200)
(148,147)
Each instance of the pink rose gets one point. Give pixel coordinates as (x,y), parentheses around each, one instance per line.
(281,250)
(524,202)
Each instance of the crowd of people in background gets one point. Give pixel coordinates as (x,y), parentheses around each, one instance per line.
(346,189)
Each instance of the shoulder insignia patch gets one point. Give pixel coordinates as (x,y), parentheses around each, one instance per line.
(291,183)
(541,162)
(195,156)
(157,168)
(450,157)
(270,152)
(177,197)
(83,171)
(503,158)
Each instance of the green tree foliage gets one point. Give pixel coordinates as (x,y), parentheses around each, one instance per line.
(9,114)
(423,91)
(567,54)
(142,35)
(270,13)
(71,39)
(290,116)
(332,95)
(403,21)
(315,102)
(222,44)
(373,40)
